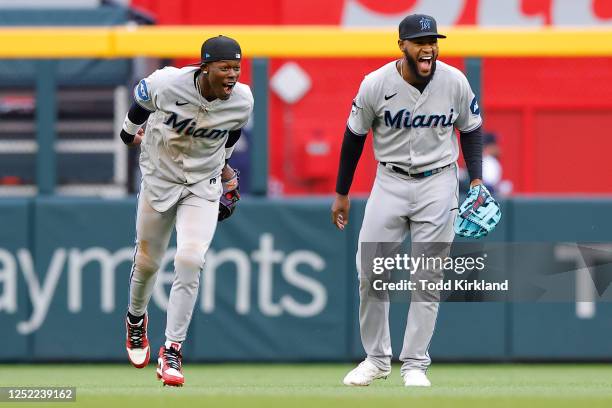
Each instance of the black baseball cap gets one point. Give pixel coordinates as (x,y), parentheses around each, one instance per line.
(418,25)
(220,48)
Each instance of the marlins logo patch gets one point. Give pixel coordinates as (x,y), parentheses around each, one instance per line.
(474,107)
(142,92)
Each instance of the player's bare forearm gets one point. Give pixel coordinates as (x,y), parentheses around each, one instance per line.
(229,178)
(227,173)
(340,211)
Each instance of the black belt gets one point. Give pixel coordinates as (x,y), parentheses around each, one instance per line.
(417,175)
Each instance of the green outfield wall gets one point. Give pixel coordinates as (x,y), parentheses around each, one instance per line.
(279,285)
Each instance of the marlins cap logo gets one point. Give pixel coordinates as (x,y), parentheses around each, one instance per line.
(425,24)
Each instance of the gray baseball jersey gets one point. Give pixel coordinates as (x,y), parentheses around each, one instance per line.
(184,144)
(415,130)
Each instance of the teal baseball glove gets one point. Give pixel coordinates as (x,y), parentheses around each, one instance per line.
(478,215)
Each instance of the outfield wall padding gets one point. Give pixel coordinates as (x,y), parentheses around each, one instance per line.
(279,285)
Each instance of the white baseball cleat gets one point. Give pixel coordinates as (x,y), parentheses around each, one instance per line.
(416,378)
(364,374)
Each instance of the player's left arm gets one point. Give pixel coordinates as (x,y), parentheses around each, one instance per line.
(469,124)
(230,179)
(228,174)
(471,146)
(479,213)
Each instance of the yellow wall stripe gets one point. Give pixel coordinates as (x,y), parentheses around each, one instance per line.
(168,41)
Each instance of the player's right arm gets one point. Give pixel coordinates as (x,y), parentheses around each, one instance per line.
(143,105)
(357,128)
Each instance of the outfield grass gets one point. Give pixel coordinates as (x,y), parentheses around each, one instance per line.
(319,385)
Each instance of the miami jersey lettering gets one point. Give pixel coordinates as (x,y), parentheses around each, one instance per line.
(184,142)
(415,130)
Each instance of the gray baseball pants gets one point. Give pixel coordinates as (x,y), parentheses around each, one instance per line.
(398,205)
(196,221)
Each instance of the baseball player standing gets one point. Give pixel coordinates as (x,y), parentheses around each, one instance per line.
(194,117)
(413,106)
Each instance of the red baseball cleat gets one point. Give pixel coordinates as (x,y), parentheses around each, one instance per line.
(170,364)
(137,343)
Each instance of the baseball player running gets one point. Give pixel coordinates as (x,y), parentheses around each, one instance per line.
(413,106)
(194,117)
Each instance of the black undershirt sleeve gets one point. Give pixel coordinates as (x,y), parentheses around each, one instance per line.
(138,115)
(233,137)
(352,147)
(471,145)
(126,137)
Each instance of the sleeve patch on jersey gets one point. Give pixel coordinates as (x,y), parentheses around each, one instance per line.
(142,92)
(354,108)
(474,107)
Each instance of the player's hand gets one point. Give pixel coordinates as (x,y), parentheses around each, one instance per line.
(137,138)
(229,178)
(340,211)
(475,182)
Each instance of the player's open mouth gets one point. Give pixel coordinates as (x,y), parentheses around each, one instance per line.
(228,87)
(424,63)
